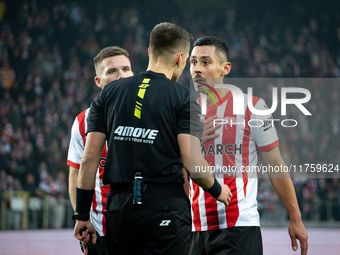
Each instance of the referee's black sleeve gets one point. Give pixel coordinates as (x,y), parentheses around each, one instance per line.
(189,119)
(96,118)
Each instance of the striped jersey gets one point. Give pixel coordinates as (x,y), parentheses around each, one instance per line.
(240,139)
(75,152)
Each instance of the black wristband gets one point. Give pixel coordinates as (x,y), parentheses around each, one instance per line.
(84,200)
(83,217)
(215,190)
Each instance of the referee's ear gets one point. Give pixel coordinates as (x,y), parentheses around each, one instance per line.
(179,58)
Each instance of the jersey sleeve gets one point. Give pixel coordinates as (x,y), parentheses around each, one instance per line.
(76,148)
(96,117)
(189,118)
(263,129)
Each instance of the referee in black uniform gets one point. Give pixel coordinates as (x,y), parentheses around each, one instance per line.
(146,121)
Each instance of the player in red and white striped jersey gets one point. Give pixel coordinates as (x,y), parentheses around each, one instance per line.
(235,229)
(111,63)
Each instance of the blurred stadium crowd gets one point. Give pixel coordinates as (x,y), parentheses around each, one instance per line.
(46,70)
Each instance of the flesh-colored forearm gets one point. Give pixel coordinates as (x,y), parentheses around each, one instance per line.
(88,167)
(282,183)
(72,184)
(192,157)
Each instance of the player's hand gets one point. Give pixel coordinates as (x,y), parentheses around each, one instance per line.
(225,195)
(208,129)
(297,230)
(84,231)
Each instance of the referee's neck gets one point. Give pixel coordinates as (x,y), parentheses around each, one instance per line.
(161,68)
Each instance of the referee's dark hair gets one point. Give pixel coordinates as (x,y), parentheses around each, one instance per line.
(167,38)
(221,46)
(107,52)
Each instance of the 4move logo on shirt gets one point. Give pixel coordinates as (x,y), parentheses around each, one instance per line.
(135,134)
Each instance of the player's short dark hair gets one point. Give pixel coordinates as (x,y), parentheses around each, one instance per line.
(107,52)
(221,46)
(166,38)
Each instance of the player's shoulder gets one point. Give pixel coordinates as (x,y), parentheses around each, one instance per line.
(84,112)
(82,115)
(254,99)
(257,101)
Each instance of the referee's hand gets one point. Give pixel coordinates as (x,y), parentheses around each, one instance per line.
(84,231)
(225,195)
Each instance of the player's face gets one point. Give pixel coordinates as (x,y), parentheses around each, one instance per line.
(204,63)
(113,68)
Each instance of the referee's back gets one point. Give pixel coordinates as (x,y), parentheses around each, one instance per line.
(142,117)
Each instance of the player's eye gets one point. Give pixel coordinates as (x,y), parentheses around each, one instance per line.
(193,62)
(126,69)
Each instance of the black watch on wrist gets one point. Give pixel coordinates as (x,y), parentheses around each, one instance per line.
(83,217)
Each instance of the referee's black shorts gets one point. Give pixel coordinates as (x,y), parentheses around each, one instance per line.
(99,248)
(161,225)
(229,241)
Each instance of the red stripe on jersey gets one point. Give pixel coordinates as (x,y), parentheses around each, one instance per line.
(269,146)
(229,137)
(196,218)
(94,203)
(104,189)
(211,211)
(70,163)
(81,124)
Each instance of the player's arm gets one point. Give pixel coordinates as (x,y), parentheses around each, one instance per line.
(191,155)
(87,173)
(283,186)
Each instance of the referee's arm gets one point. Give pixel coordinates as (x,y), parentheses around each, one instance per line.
(94,145)
(189,146)
(72,184)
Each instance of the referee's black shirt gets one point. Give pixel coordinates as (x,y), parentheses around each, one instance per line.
(141,117)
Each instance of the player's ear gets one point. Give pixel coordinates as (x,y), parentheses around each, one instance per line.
(226,67)
(149,52)
(98,82)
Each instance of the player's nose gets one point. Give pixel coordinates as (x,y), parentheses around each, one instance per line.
(197,69)
(121,75)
